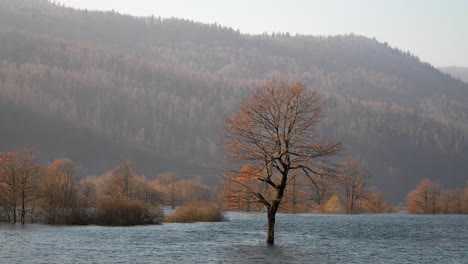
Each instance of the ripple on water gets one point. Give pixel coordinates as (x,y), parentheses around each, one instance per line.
(393,238)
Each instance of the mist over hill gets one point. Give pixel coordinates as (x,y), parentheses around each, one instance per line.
(97,85)
(457,72)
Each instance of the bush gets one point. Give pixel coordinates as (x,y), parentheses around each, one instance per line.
(125,212)
(196,212)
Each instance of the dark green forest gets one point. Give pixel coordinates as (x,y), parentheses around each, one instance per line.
(93,86)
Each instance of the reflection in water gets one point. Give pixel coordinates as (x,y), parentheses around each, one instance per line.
(395,238)
(259,253)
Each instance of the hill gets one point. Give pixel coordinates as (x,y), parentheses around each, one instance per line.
(159,90)
(457,72)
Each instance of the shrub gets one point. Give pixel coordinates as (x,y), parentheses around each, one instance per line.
(196,212)
(334,206)
(126,212)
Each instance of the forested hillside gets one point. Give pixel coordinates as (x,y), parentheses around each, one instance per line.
(96,85)
(457,72)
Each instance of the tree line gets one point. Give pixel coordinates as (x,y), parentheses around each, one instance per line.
(430,197)
(51,193)
(166,85)
(345,190)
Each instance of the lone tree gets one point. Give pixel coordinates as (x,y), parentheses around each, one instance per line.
(274,131)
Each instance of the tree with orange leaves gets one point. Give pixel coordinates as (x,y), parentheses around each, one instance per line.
(239,196)
(275,131)
(423,199)
(376,203)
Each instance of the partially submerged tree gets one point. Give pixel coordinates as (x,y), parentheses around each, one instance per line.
(9,186)
(376,203)
(169,181)
(124,198)
(464,200)
(122,179)
(19,172)
(321,188)
(423,199)
(353,183)
(274,130)
(58,190)
(29,172)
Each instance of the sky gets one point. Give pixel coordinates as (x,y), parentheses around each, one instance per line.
(435,31)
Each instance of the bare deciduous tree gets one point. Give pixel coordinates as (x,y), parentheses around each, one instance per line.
(169,181)
(464,199)
(122,178)
(19,172)
(29,172)
(353,183)
(321,188)
(274,130)
(9,186)
(59,191)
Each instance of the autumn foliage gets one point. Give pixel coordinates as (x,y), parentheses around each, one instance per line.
(52,193)
(19,176)
(239,193)
(431,198)
(275,131)
(196,211)
(345,191)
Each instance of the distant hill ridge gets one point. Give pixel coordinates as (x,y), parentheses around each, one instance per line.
(457,72)
(162,88)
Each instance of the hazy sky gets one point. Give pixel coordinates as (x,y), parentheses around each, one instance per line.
(436,31)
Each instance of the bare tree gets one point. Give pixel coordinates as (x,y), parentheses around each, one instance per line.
(274,130)
(464,199)
(458,200)
(29,171)
(169,180)
(122,178)
(321,187)
(19,172)
(59,191)
(9,185)
(193,189)
(353,183)
(144,192)
(445,201)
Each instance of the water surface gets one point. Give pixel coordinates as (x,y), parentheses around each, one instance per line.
(387,238)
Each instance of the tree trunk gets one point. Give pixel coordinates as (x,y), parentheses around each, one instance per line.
(271,225)
(14,211)
(23,214)
(23,208)
(14,204)
(173,196)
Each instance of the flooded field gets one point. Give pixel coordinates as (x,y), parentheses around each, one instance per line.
(392,238)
